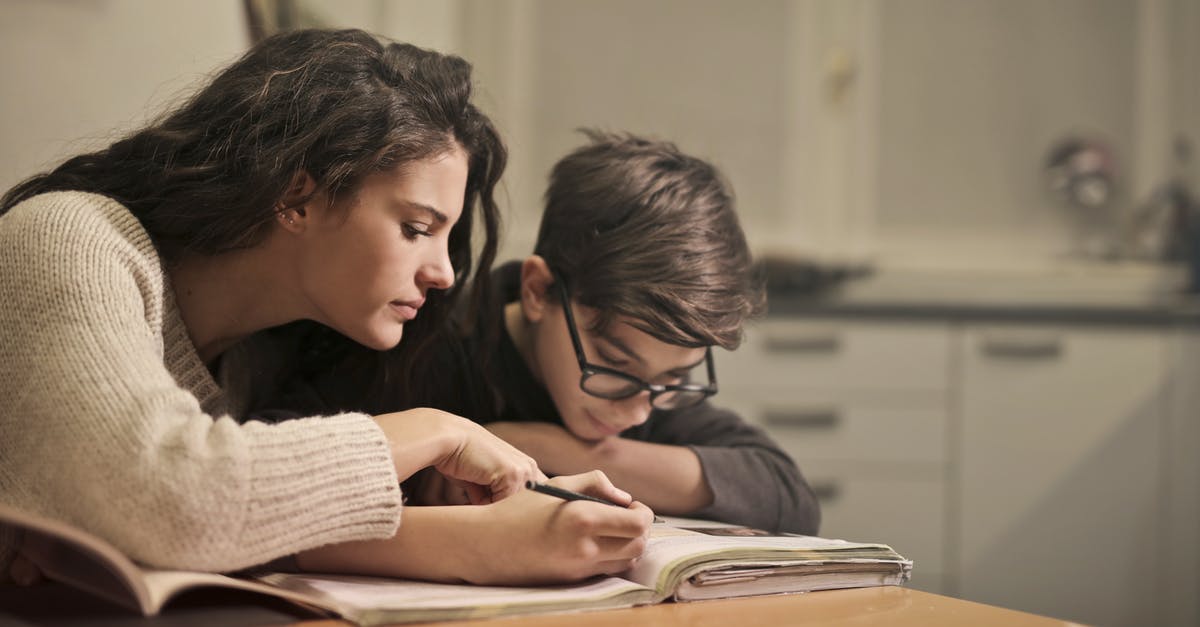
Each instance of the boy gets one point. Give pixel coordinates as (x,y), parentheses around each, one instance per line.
(595,352)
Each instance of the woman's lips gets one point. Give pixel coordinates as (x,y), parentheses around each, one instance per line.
(407,311)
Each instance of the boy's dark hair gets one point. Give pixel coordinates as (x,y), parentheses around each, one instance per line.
(339,105)
(638,229)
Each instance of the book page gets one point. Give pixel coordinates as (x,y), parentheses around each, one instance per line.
(681,548)
(782,583)
(82,560)
(376,600)
(70,555)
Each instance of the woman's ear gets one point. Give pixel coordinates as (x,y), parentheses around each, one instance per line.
(536,280)
(291,211)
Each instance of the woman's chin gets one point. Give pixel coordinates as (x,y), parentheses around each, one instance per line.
(383,341)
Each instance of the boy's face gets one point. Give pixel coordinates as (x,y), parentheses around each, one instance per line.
(622,347)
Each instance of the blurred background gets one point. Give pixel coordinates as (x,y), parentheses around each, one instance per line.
(978,220)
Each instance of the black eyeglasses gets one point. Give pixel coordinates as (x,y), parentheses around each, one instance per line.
(616,385)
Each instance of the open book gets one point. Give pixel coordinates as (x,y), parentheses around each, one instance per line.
(685,560)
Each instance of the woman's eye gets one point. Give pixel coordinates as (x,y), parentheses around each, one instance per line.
(413,231)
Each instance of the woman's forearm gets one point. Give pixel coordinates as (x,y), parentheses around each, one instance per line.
(527,538)
(432,543)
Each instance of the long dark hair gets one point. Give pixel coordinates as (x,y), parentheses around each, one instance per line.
(208,177)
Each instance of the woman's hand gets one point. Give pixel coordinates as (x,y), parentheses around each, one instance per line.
(488,468)
(430,487)
(533,538)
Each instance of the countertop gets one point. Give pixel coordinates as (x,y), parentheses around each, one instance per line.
(1114,293)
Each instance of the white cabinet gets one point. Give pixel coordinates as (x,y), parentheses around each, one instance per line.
(1053,469)
(863,409)
(1062,474)
(1181,530)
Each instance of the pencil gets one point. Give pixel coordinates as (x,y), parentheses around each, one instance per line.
(571,495)
(565,494)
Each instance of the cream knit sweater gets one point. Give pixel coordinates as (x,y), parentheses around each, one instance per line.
(110,421)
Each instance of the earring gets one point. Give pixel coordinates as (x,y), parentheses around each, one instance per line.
(287,214)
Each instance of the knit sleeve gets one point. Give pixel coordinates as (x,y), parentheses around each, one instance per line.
(98,433)
(753,481)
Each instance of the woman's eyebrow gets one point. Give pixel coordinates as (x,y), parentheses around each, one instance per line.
(438,216)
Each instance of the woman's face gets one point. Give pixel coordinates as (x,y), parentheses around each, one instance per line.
(367,264)
(621,347)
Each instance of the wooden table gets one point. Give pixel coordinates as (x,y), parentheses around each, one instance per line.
(55,604)
(889,605)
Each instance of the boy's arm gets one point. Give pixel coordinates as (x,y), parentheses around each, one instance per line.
(703,462)
(669,479)
(754,482)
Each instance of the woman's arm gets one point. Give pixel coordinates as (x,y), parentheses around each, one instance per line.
(528,538)
(110,422)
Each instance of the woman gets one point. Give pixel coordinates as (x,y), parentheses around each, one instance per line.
(322,176)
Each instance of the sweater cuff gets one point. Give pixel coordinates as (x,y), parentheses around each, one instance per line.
(331,480)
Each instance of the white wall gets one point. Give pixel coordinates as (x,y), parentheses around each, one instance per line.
(703,73)
(973,95)
(75,74)
(933,150)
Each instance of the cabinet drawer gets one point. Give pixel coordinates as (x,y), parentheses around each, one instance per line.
(838,355)
(832,427)
(907,514)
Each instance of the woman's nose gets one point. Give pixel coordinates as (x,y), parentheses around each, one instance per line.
(438,273)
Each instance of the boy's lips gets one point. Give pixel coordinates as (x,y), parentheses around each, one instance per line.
(604,429)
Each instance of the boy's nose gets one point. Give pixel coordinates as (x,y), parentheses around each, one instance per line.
(634,410)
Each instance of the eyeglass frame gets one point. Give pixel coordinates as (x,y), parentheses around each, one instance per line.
(588,370)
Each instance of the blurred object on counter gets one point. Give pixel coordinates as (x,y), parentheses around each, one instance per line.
(1082,171)
(1167,224)
(799,276)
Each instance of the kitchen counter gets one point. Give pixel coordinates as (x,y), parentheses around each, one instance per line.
(1109,294)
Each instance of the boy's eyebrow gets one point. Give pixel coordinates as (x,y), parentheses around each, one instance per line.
(440,217)
(690,366)
(621,346)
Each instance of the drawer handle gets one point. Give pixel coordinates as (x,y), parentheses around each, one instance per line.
(1023,348)
(802,419)
(823,344)
(827,491)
